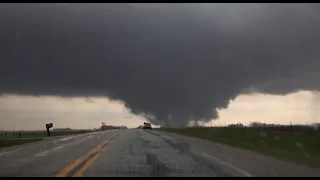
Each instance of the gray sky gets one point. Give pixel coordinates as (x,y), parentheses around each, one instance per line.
(185,59)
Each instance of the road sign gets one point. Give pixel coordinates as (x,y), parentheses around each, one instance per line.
(48,126)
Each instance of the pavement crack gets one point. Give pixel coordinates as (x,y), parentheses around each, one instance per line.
(205,166)
(157,168)
(181,146)
(130,149)
(145,143)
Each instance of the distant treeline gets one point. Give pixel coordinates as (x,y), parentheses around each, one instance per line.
(274,127)
(69,129)
(104,127)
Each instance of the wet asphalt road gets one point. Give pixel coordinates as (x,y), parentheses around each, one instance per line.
(130,152)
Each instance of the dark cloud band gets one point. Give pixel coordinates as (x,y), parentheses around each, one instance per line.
(180,59)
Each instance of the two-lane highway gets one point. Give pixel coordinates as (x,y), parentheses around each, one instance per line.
(131,152)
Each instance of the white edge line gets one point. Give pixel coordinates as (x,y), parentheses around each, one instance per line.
(229,165)
(8,152)
(22,148)
(67,138)
(44,153)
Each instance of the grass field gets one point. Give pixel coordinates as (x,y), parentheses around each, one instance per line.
(12,138)
(299,147)
(15,135)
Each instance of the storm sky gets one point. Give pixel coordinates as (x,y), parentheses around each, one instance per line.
(187,60)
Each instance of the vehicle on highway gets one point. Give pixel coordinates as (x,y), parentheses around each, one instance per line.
(147,125)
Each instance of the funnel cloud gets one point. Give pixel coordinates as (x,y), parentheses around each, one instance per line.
(182,60)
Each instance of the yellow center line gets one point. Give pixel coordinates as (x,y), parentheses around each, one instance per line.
(86,165)
(69,168)
(89,163)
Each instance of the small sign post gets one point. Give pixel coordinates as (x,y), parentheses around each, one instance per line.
(48,126)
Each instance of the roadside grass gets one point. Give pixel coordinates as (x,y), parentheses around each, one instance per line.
(12,138)
(298,147)
(15,135)
(14,142)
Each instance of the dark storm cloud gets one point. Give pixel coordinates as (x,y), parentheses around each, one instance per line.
(182,59)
